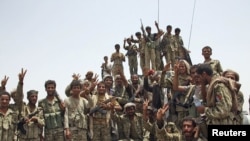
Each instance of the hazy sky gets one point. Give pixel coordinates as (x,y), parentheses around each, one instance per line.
(53,39)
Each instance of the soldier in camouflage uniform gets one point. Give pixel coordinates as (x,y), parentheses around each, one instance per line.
(100,103)
(221,99)
(11,113)
(131,123)
(8,118)
(117,58)
(167,45)
(151,39)
(240,97)
(132,56)
(75,118)
(163,131)
(53,112)
(141,43)
(215,64)
(33,126)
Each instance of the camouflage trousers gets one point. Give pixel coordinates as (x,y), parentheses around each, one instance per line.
(142,62)
(101,132)
(54,134)
(150,57)
(78,134)
(37,139)
(133,64)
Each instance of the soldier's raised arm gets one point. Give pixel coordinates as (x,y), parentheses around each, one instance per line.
(3,83)
(18,97)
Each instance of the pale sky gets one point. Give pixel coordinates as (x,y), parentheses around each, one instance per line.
(53,39)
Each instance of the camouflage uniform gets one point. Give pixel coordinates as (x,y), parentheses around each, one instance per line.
(142,53)
(100,129)
(33,130)
(169,49)
(150,52)
(132,58)
(118,59)
(8,122)
(216,67)
(131,129)
(75,118)
(54,129)
(167,132)
(219,103)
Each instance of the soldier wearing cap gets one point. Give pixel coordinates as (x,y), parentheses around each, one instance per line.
(33,125)
(130,123)
(231,74)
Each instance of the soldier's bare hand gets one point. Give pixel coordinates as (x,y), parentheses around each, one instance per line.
(68,134)
(21,75)
(76,76)
(4,81)
(145,104)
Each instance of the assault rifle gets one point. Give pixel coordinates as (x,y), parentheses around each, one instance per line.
(60,101)
(98,108)
(22,122)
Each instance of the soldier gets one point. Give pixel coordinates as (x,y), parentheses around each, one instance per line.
(53,111)
(181,52)
(141,43)
(161,129)
(99,116)
(220,99)
(135,91)
(151,39)
(33,122)
(132,56)
(231,74)
(168,47)
(75,118)
(190,130)
(8,118)
(130,122)
(215,64)
(106,67)
(117,58)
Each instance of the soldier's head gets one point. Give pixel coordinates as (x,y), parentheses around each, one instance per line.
(207,51)
(4,99)
(89,75)
(101,88)
(32,96)
(177,31)
(138,35)
(75,88)
(105,58)
(129,109)
(50,87)
(118,80)
(205,72)
(231,74)
(169,28)
(108,80)
(135,79)
(184,67)
(188,126)
(117,47)
(148,29)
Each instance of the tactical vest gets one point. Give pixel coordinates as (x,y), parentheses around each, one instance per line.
(52,114)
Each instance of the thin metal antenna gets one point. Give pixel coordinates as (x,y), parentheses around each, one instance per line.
(158,11)
(191,24)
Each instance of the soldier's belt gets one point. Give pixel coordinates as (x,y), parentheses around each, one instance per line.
(99,121)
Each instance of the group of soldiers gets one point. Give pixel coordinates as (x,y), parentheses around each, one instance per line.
(174,102)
